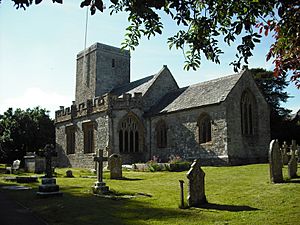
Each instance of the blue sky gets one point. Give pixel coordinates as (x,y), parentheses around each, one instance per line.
(38,50)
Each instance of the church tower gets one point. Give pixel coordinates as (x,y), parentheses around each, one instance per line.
(100,69)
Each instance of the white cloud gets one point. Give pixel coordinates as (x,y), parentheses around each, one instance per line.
(35,96)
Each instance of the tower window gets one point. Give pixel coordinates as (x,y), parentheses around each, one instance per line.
(113,63)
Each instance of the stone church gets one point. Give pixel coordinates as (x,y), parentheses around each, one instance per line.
(224,121)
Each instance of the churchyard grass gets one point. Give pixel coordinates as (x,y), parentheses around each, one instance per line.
(236,195)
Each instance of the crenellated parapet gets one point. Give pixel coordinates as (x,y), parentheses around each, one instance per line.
(127,101)
(98,104)
(91,106)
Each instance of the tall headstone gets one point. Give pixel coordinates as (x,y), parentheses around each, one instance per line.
(115,166)
(275,162)
(285,156)
(196,190)
(49,186)
(292,165)
(100,187)
(29,162)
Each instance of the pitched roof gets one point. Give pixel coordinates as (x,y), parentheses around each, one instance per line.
(140,85)
(201,94)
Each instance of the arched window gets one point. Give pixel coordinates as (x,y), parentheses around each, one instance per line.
(204,128)
(129,134)
(247,107)
(161,134)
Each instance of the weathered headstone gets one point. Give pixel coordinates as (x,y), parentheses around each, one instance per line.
(292,165)
(29,162)
(181,182)
(69,173)
(49,186)
(115,166)
(196,190)
(100,187)
(298,153)
(15,165)
(275,162)
(40,164)
(285,156)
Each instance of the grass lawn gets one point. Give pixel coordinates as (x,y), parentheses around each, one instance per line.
(236,195)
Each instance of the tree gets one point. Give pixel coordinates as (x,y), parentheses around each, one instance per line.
(24,131)
(282,126)
(203,23)
(273,90)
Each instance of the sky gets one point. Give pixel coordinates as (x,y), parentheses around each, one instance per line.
(38,49)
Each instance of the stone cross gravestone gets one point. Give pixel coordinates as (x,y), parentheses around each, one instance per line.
(196,190)
(292,165)
(49,186)
(100,187)
(275,162)
(115,166)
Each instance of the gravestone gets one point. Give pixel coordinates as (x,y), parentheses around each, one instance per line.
(69,173)
(15,165)
(100,187)
(181,182)
(292,165)
(275,162)
(196,190)
(49,187)
(285,156)
(26,179)
(115,166)
(40,164)
(29,162)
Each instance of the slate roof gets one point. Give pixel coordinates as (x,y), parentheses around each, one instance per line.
(140,85)
(201,94)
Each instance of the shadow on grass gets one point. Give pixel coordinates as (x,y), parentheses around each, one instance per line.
(230,208)
(295,180)
(129,179)
(90,210)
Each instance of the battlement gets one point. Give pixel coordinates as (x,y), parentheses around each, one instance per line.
(127,101)
(103,48)
(91,106)
(98,104)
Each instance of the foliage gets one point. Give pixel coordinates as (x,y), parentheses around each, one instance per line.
(177,164)
(236,195)
(24,131)
(202,25)
(273,89)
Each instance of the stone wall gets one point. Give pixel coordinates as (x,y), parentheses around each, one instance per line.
(247,148)
(182,136)
(81,159)
(163,84)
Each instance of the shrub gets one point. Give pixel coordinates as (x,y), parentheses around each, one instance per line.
(153,166)
(179,166)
